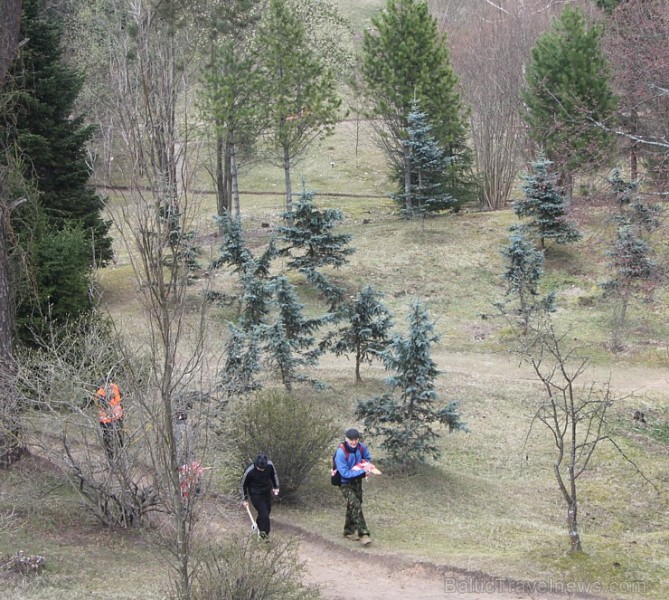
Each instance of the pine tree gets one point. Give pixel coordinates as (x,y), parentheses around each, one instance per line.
(406,422)
(366,335)
(568,90)
(301,103)
(405,58)
(229,98)
(39,121)
(426,190)
(546,206)
(311,244)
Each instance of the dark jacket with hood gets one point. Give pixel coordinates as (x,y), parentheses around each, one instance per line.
(259,483)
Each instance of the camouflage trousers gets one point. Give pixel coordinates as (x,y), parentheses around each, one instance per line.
(355,520)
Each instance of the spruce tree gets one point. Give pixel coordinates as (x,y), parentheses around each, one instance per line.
(254,273)
(366,333)
(405,58)
(289,342)
(406,421)
(546,206)
(311,244)
(63,232)
(242,362)
(568,90)
(426,189)
(523,271)
(634,271)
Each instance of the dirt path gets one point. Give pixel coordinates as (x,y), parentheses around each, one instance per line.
(347,570)
(624,379)
(344,572)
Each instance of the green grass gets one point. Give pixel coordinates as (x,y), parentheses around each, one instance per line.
(83,559)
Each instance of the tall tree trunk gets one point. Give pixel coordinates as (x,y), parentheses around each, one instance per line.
(634,146)
(235,179)
(407,176)
(572,523)
(358,358)
(220,177)
(10,446)
(10,22)
(286,171)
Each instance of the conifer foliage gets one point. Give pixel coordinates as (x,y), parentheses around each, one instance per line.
(289,342)
(62,232)
(546,207)
(406,58)
(523,271)
(311,244)
(405,417)
(568,90)
(366,331)
(300,97)
(426,190)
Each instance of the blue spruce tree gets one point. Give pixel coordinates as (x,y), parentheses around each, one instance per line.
(545,206)
(405,416)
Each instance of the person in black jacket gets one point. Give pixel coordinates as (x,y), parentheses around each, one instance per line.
(259,483)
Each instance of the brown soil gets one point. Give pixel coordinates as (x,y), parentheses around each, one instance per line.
(349,570)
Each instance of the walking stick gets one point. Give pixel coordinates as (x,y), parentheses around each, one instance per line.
(254,525)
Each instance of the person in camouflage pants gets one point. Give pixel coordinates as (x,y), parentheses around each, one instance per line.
(355,520)
(351,453)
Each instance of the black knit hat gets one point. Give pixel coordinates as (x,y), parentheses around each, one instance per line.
(260,461)
(352,434)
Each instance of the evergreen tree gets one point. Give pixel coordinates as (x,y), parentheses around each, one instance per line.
(524,268)
(229,98)
(568,89)
(40,122)
(633,272)
(311,244)
(366,333)
(426,189)
(289,342)
(405,58)
(608,6)
(301,103)
(632,211)
(406,422)
(546,206)
(242,362)
(254,273)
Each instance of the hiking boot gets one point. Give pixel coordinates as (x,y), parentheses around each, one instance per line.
(365,540)
(352,536)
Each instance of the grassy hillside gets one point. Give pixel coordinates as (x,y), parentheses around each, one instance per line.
(490,503)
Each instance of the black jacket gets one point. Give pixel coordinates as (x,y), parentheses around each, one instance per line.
(259,483)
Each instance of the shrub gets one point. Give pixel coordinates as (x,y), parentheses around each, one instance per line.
(293,430)
(248,569)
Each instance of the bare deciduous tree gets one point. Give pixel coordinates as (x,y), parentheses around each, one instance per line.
(150,70)
(574,414)
(635,42)
(489,54)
